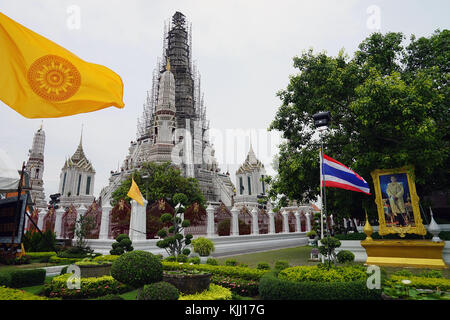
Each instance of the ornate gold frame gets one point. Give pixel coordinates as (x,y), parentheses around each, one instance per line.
(383,229)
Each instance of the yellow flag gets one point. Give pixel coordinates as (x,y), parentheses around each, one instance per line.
(134,193)
(40,79)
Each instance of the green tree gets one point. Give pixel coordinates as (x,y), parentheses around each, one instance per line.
(174,241)
(389,107)
(157,181)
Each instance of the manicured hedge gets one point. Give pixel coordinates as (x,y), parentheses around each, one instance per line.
(41,256)
(15,294)
(89,287)
(272,288)
(323,274)
(214,292)
(237,272)
(108,257)
(422,283)
(5,279)
(22,278)
(55,259)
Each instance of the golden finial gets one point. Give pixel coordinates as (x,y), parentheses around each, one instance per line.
(368,230)
(168,64)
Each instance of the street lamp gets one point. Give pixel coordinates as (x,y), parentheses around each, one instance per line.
(321,122)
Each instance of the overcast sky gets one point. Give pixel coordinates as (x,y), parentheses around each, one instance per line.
(243,49)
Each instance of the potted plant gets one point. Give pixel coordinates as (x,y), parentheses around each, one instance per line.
(203,247)
(91,268)
(188,281)
(311,234)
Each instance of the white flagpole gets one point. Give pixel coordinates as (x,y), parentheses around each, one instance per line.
(321,194)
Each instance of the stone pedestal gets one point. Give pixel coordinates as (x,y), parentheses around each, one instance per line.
(255,228)
(58,222)
(104,224)
(210,231)
(404,253)
(234,221)
(138,221)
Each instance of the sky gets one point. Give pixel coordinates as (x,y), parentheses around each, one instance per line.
(243,49)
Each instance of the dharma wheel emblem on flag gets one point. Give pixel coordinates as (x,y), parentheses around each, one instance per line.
(54,78)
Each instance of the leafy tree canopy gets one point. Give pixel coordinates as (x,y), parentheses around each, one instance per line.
(157,181)
(389,106)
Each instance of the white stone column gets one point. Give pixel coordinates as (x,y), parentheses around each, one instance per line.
(210,228)
(285,222)
(138,221)
(255,228)
(271,221)
(41,215)
(104,223)
(58,222)
(308,221)
(81,211)
(234,221)
(298,223)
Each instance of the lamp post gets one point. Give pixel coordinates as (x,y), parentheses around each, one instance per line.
(321,122)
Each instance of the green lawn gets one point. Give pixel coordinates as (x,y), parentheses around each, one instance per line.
(129,295)
(297,256)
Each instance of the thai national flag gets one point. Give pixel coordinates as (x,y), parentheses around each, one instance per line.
(336,175)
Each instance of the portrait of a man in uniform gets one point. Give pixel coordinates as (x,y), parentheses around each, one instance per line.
(396,200)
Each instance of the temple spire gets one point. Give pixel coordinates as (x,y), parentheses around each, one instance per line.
(168,64)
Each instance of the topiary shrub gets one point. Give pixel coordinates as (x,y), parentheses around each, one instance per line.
(281,265)
(137,268)
(345,256)
(159,291)
(231,262)
(170,259)
(194,260)
(263,266)
(212,262)
(182,258)
(26,278)
(327,248)
(121,245)
(203,246)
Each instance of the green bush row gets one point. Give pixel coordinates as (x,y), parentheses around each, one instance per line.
(422,282)
(22,278)
(214,292)
(323,274)
(272,288)
(89,287)
(41,256)
(55,259)
(15,294)
(238,272)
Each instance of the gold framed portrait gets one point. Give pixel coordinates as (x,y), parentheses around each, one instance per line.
(397,201)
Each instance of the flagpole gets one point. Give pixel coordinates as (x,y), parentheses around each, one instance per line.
(321,189)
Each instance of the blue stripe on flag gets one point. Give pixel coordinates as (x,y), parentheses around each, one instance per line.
(347,176)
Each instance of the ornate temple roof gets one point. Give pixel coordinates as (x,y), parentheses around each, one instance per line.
(79,160)
(250,164)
